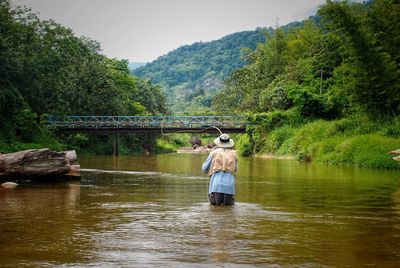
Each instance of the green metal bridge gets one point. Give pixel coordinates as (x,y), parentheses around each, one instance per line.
(147,124)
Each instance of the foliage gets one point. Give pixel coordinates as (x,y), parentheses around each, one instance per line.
(164,147)
(312,105)
(341,66)
(192,74)
(372,48)
(243,145)
(263,123)
(277,137)
(368,150)
(275,96)
(46,69)
(354,140)
(170,143)
(343,61)
(326,89)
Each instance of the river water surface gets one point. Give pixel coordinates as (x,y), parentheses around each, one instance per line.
(152,211)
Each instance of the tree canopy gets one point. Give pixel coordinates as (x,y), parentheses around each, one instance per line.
(344,60)
(46,69)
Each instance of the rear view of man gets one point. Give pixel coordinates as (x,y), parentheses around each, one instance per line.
(221,165)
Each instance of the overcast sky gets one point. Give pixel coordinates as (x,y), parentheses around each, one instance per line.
(143,30)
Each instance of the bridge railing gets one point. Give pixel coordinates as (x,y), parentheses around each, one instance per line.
(76,121)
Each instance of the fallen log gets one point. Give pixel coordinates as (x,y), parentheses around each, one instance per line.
(38,164)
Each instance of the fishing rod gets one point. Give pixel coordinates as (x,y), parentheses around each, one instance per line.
(185,131)
(192,131)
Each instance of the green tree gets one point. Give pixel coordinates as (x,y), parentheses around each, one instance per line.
(376,72)
(46,69)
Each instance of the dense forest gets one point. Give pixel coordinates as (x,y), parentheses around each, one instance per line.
(45,69)
(324,89)
(327,91)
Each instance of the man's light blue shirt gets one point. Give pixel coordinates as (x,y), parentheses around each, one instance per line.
(220,181)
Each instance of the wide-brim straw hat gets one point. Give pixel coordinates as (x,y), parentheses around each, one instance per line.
(224,141)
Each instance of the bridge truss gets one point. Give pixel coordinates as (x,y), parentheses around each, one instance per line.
(148,124)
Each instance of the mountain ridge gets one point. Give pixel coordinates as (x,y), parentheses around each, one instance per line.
(135,64)
(198,70)
(191,75)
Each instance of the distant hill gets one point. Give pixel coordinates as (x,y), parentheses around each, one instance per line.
(192,74)
(134,65)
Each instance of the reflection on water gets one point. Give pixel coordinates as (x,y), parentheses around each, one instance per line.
(153,212)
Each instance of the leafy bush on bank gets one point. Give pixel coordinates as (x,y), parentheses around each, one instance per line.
(355,140)
(369,150)
(163,146)
(243,145)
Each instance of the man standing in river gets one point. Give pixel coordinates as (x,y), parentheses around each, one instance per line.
(221,165)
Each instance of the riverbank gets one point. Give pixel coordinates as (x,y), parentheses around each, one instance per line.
(352,141)
(273,156)
(191,150)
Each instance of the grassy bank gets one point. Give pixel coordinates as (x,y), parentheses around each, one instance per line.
(355,140)
(34,139)
(87,144)
(15,146)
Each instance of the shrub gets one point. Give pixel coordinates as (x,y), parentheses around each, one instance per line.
(277,137)
(269,121)
(275,97)
(391,128)
(369,150)
(355,140)
(243,145)
(163,146)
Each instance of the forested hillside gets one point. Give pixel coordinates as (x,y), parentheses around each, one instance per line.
(327,91)
(191,74)
(134,65)
(46,69)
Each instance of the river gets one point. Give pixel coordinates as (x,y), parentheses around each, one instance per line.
(152,211)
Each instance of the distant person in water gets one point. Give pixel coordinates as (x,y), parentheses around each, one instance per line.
(221,165)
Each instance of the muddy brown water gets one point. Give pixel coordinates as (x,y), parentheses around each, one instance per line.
(152,211)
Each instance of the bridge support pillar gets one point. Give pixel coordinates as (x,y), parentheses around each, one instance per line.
(116,150)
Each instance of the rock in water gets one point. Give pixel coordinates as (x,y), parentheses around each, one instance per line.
(9,185)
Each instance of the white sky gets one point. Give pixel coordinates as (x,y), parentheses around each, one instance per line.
(143,30)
